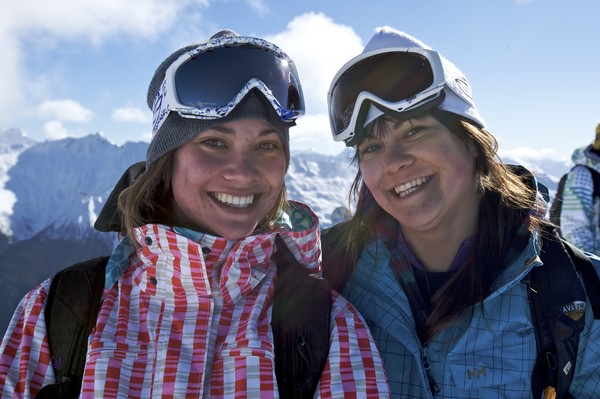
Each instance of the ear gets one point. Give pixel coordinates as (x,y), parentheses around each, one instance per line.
(472,148)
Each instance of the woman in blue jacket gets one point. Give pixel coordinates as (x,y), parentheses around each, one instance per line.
(444,234)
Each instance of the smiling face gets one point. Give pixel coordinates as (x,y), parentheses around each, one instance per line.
(422,174)
(228,178)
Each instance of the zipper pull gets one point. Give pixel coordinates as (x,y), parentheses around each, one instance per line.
(432,385)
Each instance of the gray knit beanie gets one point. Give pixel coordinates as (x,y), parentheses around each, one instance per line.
(177,130)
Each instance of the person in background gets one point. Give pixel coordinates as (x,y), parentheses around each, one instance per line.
(443,234)
(188,299)
(579,214)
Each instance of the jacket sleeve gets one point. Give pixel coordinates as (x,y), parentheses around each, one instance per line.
(578,217)
(354,367)
(25,364)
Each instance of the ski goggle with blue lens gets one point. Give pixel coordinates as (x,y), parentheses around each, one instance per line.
(393,79)
(210,80)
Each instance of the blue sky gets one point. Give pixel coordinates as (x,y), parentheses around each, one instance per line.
(74,67)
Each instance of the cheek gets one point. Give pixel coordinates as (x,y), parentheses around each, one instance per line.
(276,182)
(460,168)
(180,190)
(370,173)
(180,179)
(190,172)
(275,171)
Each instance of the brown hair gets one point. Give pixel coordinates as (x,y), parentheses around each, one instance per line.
(149,199)
(505,203)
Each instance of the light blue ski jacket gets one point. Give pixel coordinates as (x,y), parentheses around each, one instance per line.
(489,353)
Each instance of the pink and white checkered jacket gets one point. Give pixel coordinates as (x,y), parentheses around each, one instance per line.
(191,318)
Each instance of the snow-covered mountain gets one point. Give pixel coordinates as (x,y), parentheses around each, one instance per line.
(56,187)
(61,185)
(51,193)
(12,143)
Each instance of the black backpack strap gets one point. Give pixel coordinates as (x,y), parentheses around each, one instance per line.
(596,180)
(301,326)
(588,273)
(71,311)
(557,303)
(337,268)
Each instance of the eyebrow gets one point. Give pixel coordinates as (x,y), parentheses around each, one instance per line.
(411,121)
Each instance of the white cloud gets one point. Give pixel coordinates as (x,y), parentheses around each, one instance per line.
(55,130)
(312,133)
(91,19)
(131,114)
(144,136)
(259,6)
(319,47)
(64,110)
(38,24)
(534,154)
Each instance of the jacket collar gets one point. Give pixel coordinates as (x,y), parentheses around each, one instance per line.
(243,263)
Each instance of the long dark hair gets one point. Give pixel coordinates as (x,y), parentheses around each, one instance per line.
(504,211)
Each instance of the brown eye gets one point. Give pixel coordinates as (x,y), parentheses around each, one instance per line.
(413,130)
(213,142)
(267,146)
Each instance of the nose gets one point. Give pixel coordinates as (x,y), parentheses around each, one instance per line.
(396,158)
(242,168)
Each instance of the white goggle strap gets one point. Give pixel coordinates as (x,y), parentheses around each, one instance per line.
(160,107)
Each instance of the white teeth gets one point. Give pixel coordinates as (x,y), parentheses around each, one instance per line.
(411,187)
(238,202)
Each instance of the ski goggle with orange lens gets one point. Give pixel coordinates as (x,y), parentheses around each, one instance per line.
(209,81)
(393,79)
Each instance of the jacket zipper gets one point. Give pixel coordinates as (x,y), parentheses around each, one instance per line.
(425,357)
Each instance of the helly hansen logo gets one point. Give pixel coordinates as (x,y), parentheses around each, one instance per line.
(575,310)
(476,372)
